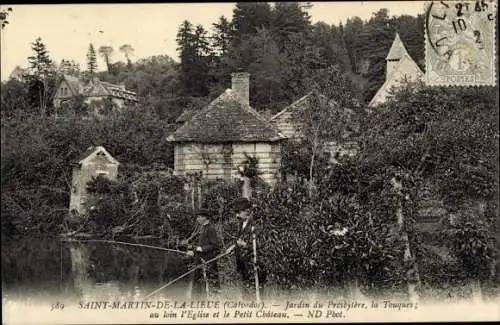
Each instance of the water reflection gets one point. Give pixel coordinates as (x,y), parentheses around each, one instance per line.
(42,268)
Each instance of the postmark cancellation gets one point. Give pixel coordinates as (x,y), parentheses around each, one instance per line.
(460,44)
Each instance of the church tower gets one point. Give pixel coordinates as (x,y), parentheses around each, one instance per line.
(396,53)
(400,69)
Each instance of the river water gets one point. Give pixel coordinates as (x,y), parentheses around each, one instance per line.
(47,268)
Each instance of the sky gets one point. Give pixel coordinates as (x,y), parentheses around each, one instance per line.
(67,30)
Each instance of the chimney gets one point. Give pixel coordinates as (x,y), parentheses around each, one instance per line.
(240,84)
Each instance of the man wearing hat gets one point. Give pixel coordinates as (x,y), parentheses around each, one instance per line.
(244,251)
(208,247)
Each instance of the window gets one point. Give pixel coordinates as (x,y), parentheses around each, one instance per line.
(102,173)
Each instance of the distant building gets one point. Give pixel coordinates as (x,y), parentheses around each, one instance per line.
(94,90)
(95,161)
(215,139)
(18,74)
(284,120)
(288,125)
(400,68)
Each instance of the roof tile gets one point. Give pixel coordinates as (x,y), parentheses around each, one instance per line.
(226,119)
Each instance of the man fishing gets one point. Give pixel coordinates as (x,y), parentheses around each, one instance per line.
(245,252)
(207,247)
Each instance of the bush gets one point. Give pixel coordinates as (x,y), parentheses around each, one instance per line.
(36,167)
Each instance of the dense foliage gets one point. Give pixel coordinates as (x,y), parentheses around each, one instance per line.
(348,231)
(354,226)
(36,167)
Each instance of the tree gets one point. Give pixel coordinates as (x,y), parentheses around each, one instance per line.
(106,51)
(288,19)
(327,115)
(4,14)
(259,55)
(351,31)
(91,60)
(247,17)
(328,41)
(69,67)
(445,139)
(127,51)
(221,37)
(41,77)
(14,97)
(196,56)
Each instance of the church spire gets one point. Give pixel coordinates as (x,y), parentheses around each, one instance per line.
(396,53)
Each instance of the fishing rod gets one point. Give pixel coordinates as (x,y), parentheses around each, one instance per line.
(227,252)
(129,244)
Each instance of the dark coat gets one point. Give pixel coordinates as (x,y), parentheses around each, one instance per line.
(209,242)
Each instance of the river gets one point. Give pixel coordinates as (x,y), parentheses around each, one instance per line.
(47,268)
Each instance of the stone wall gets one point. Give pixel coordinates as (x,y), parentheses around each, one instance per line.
(222,160)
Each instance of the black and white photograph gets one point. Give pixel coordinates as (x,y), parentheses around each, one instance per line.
(250,162)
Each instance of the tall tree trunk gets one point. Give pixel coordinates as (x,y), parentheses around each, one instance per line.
(310,185)
(412,272)
(40,103)
(247,189)
(200,199)
(108,65)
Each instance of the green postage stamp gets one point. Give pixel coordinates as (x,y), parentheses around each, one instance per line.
(460,45)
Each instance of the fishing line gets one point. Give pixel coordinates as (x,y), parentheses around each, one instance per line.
(130,244)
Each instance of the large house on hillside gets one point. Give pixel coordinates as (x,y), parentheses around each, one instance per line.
(400,68)
(217,138)
(92,91)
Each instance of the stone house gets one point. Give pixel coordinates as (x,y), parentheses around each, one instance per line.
(216,138)
(93,91)
(400,68)
(95,161)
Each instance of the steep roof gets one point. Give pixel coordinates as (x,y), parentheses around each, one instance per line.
(98,88)
(297,104)
(93,151)
(186,116)
(226,119)
(405,70)
(75,85)
(398,50)
(103,88)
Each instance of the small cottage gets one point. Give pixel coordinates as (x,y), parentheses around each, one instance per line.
(94,90)
(284,120)
(94,162)
(216,138)
(400,68)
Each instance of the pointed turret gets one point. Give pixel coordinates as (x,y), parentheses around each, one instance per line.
(396,53)
(400,68)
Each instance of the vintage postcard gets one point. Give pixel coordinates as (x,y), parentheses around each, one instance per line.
(249,162)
